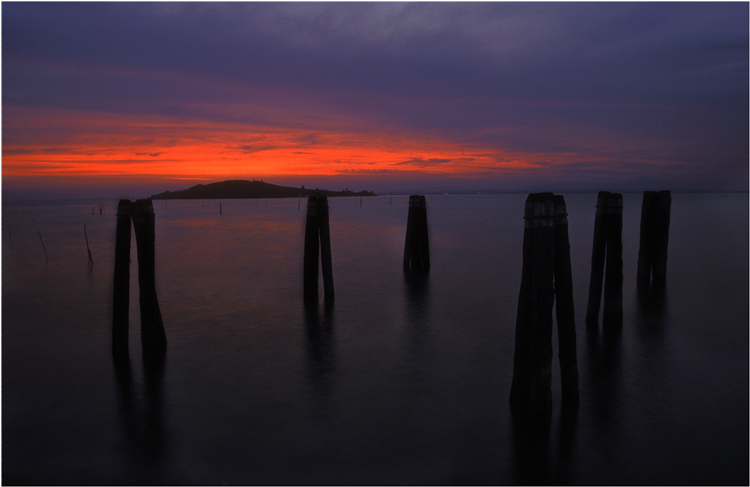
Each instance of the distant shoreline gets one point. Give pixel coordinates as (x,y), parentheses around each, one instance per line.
(15,200)
(244,189)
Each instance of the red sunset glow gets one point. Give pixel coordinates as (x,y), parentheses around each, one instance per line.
(409,101)
(92,144)
(95,145)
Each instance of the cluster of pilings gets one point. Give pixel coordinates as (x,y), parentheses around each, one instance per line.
(153,338)
(317,242)
(546,278)
(546,275)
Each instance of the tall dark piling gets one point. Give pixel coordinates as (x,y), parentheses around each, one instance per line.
(606,256)
(612,314)
(121,298)
(317,242)
(597,259)
(312,245)
(654,239)
(532,363)
(417,246)
(153,338)
(545,273)
(565,313)
(324,229)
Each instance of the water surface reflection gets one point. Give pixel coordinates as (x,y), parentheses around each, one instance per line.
(142,424)
(319,328)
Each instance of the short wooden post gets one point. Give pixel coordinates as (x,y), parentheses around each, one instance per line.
(121,297)
(607,246)
(417,246)
(317,242)
(566,326)
(654,239)
(153,338)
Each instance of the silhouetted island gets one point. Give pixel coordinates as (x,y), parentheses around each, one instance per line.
(240,188)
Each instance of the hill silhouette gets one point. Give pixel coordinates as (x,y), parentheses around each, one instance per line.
(240,188)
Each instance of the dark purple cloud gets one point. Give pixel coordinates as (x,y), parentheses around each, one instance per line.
(529,77)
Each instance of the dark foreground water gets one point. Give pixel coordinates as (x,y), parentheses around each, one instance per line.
(399,382)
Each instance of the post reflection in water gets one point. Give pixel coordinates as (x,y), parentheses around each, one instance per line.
(652,305)
(319,327)
(531,438)
(652,366)
(142,427)
(605,381)
(417,333)
(604,350)
(534,460)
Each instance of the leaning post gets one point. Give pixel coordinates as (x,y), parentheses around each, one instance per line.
(597,259)
(121,295)
(606,261)
(566,326)
(324,230)
(153,337)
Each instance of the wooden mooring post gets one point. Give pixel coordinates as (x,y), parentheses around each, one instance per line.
(606,257)
(654,239)
(545,275)
(121,298)
(565,313)
(417,246)
(317,242)
(153,338)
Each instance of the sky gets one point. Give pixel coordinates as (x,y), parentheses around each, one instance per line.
(129,99)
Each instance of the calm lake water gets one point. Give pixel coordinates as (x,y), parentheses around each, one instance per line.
(399,382)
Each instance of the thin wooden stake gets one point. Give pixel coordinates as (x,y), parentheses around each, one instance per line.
(46,257)
(91,260)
